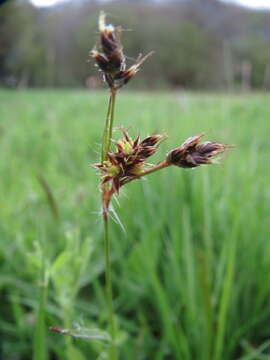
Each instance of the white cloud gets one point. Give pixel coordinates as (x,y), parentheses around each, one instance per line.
(45,3)
(255,4)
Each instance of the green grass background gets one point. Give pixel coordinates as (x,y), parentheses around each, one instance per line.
(191,270)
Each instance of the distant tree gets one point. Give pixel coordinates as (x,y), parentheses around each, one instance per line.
(198,44)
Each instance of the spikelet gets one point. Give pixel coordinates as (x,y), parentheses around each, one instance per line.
(109,57)
(192,154)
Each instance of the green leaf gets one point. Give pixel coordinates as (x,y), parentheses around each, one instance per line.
(60,262)
(75,354)
(84,333)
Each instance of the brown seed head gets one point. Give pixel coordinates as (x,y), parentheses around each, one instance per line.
(110,58)
(192,154)
(128,161)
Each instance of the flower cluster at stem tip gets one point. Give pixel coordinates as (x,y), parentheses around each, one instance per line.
(109,56)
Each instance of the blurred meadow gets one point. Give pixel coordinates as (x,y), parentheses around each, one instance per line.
(191,270)
(190,247)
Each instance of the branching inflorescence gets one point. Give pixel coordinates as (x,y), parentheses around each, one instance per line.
(124,160)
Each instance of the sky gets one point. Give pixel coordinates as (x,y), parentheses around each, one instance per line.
(44,3)
(255,4)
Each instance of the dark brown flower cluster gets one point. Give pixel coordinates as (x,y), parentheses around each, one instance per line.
(110,58)
(128,161)
(192,154)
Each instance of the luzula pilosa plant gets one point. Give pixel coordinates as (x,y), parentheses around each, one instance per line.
(124,160)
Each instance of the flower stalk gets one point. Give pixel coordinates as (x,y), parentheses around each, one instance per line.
(162,165)
(107,135)
(111,61)
(109,293)
(106,198)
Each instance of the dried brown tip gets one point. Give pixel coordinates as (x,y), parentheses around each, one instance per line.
(123,77)
(153,140)
(193,154)
(141,59)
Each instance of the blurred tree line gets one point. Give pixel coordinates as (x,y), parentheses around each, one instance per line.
(198,43)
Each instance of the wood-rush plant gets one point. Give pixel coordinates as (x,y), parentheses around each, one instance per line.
(124,160)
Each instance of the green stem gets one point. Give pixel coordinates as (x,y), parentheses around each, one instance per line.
(107,135)
(40,348)
(107,247)
(113,97)
(106,198)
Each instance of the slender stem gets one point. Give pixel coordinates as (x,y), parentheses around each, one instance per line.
(106,198)
(113,97)
(107,247)
(40,348)
(107,135)
(161,165)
